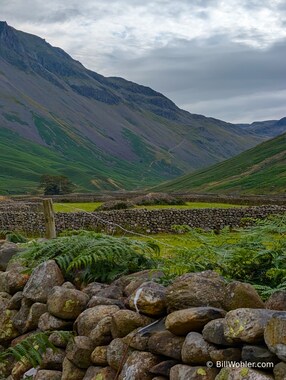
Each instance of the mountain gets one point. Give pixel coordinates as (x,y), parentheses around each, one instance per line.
(260,170)
(57,117)
(266,129)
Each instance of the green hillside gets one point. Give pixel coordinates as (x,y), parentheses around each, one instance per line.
(260,170)
(22,162)
(57,117)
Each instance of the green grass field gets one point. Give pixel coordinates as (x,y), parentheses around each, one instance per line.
(90,207)
(76,207)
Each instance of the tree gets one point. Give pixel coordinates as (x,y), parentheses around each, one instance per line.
(56,185)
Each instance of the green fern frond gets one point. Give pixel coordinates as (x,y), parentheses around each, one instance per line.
(93,256)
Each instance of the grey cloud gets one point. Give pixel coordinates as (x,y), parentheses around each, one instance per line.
(187,50)
(210,75)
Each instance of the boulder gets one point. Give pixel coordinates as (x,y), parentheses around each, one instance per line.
(277,301)
(99,356)
(181,322)
(213,332)
(101,334)
(58,340)
(163,368)
(14,280)
(35,312)
(246,325)
(275,335)
(149,299)
(138,365)
(88,319)
(117,353)
(131,282)
(195,290)
(226,354)
(21,316)
(66,303)
(280,371)
(196,350)
(93,288)
(48,375)
(44,277)
(71,372)
(167,344)
(125,321)
(106,373)
(7,251)
(258,354)
(136,340)
(27,318)
(53,359)
(242,374)
(20,368)
(241,295)
(112,291)
(185,372)
(48,322)
(96,301)
(91,373)
(7,330)
(15,301)
(79,350)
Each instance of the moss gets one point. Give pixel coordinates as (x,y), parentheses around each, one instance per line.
(244,372)
(69,305)
(236,329)
(201,372)
(223,375)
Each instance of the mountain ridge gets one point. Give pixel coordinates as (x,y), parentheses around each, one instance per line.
(127,135)
(260,170)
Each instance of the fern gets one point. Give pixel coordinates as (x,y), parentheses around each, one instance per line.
(92,256)
(32,348)
(256,255)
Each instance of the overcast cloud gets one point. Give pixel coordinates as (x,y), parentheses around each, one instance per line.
(224,59)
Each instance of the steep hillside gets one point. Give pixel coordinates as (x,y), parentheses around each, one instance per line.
(266,129)
(102,132)
(260,170)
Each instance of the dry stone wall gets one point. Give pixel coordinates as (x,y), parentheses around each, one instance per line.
(149,221)
(200,327)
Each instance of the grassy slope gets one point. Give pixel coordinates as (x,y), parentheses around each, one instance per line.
(22,162)
(259,170)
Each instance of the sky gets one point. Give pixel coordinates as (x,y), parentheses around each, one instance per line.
(224,59)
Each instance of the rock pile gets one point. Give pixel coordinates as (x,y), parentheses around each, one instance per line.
(137,329)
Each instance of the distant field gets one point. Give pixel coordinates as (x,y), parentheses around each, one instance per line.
(90,207)
(76,207)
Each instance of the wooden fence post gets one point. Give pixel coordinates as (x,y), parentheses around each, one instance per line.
(49,216)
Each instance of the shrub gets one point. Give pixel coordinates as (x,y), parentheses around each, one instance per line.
(115,205)
(157,199)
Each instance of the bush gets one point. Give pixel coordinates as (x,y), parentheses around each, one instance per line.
(157,199)
(115,205)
